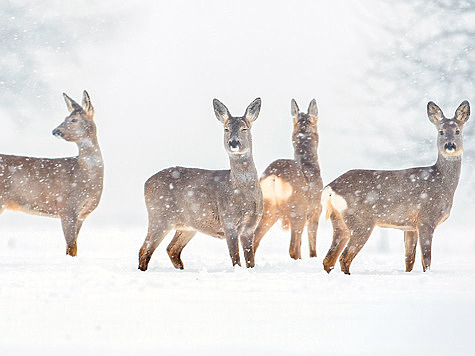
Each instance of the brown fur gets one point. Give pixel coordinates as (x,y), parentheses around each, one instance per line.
(415,200)
(224,204)
(66,188)
(292,188)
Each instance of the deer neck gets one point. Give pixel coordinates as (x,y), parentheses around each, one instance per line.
(243,171)
(449,168)
(305,153)
(90,157)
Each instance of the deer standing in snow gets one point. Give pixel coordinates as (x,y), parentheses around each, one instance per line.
(66,188)
(292,188)
(224,204)
(415,200)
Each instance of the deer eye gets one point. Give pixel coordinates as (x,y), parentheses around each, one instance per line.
(457,132)
(74,120)
(441,133)
(244,128)
(226,130)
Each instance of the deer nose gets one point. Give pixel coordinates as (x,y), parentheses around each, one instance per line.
(450,147)
(234,145)
(57,132)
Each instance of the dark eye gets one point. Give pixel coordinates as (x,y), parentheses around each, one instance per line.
(226,130)
(441,133)
(74,120)
(244,129)
(457,132)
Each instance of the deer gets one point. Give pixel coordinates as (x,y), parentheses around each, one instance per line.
(292,188)
(415,200)
(225,204)
(65,188)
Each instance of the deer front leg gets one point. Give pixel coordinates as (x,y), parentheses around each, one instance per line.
(246,238)
(69,222)
(233,245)
(426,232)
(410,243)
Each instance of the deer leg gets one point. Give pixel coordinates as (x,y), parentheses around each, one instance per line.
(246,238)
(233,246)
(155,235)
(267,221)
(426,232)
(177,245)
(296,228)
(341,235)
(312,232)
(358,238)
(68,223)
(410,243)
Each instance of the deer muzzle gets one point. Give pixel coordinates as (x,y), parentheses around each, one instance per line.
(57,133)
(450,147)
(234,145)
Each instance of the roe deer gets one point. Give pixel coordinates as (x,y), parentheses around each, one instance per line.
(415,200)
(224,204)
(68,188)
(292,188)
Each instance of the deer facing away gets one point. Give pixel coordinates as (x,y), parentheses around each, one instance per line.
(66,188)
(292,188)
(415,200)
(221,203)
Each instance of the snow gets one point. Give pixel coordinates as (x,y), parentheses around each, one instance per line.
(100,303)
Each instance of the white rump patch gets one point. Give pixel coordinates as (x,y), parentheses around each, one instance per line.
(337,202)
(275,189)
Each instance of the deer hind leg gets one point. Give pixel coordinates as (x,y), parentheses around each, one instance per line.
(69,222)
(358,237)
(410,243)
(341,235)
(269,217)
(297,225)
(426,233)
(177,245)
(312,232)
(156,232)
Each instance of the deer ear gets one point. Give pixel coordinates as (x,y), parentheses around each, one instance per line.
(221,111)
(463,112)
(86,104)
(252,111)
(434,113)
(313,110)
(294,108)
(72,105)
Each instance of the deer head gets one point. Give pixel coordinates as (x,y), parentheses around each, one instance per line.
(237,130)
(79,125)
(305,124)
(449,139)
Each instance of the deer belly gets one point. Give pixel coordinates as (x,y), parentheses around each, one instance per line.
(206,223)
(36,208)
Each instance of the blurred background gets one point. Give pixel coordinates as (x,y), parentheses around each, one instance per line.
(152,69)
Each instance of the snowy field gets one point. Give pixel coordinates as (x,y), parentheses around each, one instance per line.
(100,303)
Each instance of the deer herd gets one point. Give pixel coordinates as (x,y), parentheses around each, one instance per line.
(235,204)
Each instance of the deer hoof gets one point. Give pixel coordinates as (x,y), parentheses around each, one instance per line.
(72,251)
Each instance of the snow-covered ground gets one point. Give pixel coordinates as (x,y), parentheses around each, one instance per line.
(100,303)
